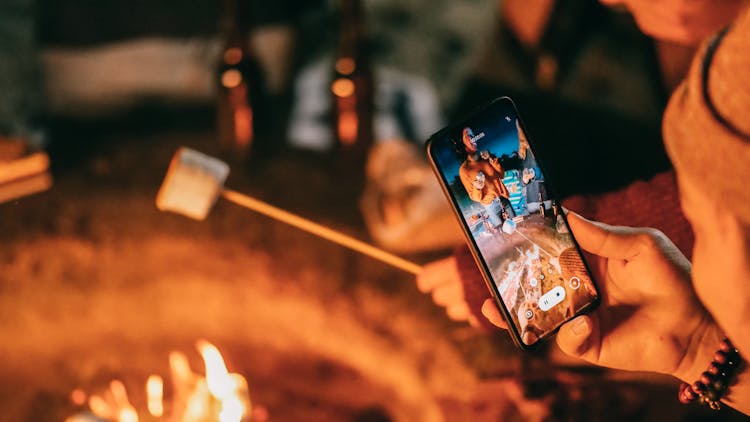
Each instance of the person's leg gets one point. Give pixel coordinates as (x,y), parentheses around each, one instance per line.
(494,214)
(507,207)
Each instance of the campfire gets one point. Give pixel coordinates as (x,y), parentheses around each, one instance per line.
(218,395)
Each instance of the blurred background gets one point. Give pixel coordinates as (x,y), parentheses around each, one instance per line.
(322,108)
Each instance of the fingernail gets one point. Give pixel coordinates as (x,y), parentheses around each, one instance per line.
(580,326)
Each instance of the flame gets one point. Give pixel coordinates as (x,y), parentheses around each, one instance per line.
(125,411)
(127,415)
(216,370)
(114,405)
(219,396)
(99,407)
(155,395)
(180,367)
(225,387)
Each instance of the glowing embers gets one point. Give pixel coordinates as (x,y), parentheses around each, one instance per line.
(219,396)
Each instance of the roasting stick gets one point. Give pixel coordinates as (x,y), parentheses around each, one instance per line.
(195,181)
(319,230)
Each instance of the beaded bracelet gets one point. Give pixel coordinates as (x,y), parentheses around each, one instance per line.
(714,382)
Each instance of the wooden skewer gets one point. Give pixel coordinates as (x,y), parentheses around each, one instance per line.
(322,231)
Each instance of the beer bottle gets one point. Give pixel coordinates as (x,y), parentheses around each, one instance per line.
(352,86)
(239,87)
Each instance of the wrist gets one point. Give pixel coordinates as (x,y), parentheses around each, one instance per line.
(700,350)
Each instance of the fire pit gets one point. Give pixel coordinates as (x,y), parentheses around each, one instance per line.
(98,285)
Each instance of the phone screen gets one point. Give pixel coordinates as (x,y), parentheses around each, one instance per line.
(518,232)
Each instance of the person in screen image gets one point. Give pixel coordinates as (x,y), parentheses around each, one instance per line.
(482,177)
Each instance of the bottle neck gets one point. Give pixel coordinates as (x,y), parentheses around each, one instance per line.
(230,28)
(352,34)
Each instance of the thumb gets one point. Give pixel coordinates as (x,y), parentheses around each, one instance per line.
(490,311)
(577,337)
(605,240)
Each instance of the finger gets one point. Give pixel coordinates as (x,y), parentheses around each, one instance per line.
(577,338)
(605,240)
(458,312)
(490,311)
(437,273)
(514,390)
(449,294)
(473,321)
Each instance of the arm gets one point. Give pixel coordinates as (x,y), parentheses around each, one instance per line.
(699,355)
(495,163)
(671,331)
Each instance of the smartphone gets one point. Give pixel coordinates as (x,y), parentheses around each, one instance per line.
(515,228)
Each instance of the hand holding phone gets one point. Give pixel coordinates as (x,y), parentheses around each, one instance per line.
(653,320)
(529,259)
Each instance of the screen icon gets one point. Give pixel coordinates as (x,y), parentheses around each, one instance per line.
(574,283)
(551,298)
